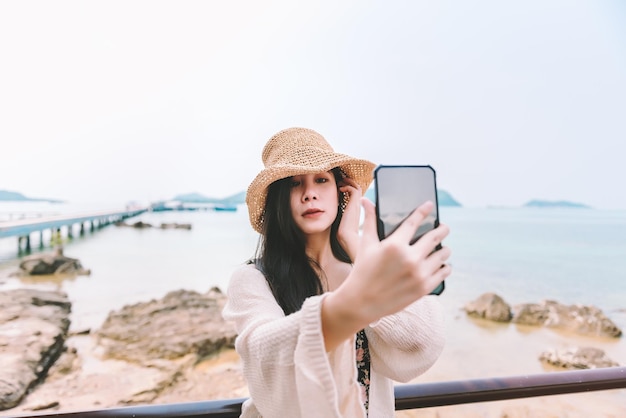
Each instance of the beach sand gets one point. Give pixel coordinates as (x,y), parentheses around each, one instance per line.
(100,383)
(479,349)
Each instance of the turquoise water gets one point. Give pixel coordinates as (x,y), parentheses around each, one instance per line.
(525,255)
(570,255)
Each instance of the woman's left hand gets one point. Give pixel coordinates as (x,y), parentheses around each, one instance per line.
(348,232)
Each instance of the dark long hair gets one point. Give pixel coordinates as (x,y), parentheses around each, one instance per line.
(280,254)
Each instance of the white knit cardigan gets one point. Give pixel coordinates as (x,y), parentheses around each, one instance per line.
(290,374)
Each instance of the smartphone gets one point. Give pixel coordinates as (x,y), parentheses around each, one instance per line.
(400,189)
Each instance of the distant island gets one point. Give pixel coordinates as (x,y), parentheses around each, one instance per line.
(199,198)
(445,199)
(7,196)
(555,204)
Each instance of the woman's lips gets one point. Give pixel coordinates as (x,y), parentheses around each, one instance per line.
(312,212)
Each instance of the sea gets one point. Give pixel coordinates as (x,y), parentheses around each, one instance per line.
(525,255)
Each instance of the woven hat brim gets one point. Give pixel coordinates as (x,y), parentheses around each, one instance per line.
(361,171)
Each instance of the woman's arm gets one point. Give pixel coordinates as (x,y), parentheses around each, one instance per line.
(264,333)
(406,344)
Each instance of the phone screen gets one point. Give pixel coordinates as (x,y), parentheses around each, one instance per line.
(399,191)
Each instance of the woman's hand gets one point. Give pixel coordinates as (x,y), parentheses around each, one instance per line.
(348,232)
(387,275)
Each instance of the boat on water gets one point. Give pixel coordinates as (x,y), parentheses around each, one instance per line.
(225,208)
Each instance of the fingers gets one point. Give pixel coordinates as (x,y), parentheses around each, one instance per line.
(408,227)
(351,190)
(439,276)
(347,181)
(436,260)
(431,239)
(434,269)
(369,221)
(350,186)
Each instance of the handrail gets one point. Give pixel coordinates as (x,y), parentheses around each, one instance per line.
(511,387)
(408,396)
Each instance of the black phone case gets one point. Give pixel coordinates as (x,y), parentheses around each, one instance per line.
(441,287)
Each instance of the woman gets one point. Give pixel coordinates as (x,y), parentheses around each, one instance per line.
(328,319)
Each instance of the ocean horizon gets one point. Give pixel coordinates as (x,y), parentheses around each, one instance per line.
(523,254)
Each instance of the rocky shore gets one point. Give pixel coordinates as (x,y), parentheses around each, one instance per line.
(581,319)
(179,349)
(33,329)
(174,349)
(578,319)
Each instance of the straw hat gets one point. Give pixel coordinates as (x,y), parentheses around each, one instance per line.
(297,151)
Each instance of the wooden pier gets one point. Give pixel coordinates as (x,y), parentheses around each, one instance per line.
(23,228)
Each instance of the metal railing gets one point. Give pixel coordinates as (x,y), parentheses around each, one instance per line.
(410,396)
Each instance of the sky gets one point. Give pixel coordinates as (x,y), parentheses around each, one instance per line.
(118,101)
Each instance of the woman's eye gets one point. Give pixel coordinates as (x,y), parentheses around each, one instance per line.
(295,183)
(322,180)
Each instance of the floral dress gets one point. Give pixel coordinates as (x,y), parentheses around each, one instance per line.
(363,366)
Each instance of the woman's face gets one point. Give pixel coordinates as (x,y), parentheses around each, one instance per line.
(314,201)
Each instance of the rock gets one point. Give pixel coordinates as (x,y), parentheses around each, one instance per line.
(44,406)
(85,331)
(138,224)
(33,329)
(142,225)
(183,322)
(175,338)
(581,319)
(585,320)
(489,306)
(68,362)
(51,263)
(532,314)
(109,383)
(175,226)
(577,358)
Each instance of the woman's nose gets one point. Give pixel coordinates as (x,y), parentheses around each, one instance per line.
(309,193)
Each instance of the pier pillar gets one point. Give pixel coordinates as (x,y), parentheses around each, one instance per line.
(40,239)
(23,248)
(82,229)
(55,238)
(70,231)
